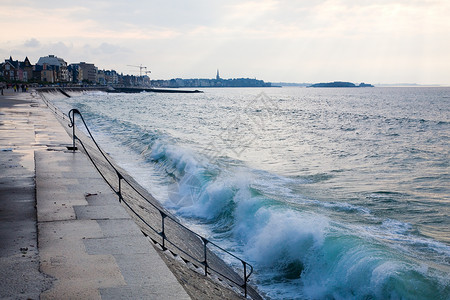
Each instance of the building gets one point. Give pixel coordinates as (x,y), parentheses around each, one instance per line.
(48,74)
(14,70)
(86,72)
(75,73)
(27,69)
(101,77)
(56,64)
(111,77)
(9,70)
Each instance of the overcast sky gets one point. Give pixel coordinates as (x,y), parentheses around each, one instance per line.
(374,41)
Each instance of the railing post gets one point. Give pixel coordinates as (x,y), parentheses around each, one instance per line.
(163,234)
(205,262)
(72,124)
(73,133)
(245,278)
(119,193)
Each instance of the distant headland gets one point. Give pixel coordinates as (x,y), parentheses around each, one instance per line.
(206,82)
(340,84)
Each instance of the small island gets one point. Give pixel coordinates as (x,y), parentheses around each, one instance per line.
(340,84)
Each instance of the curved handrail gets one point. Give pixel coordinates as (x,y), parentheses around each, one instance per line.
(163,214)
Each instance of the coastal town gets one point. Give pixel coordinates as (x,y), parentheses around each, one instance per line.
(53,70)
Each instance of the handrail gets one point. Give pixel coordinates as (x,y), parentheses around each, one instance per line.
(163,214)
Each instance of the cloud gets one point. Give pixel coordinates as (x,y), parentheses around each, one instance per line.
(57,48)
(107,48)
(106,52)
(32,43)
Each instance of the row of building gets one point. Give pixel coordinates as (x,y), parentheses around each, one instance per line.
(52,69)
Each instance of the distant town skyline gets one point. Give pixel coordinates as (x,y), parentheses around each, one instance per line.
(51,70)
(374,41)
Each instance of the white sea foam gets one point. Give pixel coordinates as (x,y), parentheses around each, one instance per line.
(282,237)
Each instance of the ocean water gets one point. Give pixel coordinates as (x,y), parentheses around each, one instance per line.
(328,193)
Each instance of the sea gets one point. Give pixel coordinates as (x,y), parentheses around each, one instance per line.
(330,193)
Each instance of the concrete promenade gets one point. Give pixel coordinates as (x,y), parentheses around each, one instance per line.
(63,234)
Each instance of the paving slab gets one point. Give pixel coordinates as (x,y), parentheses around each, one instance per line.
(102,212)
(122,227)
(63,256)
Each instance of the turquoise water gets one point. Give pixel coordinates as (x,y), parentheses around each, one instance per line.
(329,193)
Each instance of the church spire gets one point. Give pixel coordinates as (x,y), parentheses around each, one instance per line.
(217,76)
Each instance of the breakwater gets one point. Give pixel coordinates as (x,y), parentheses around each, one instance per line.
(151,90)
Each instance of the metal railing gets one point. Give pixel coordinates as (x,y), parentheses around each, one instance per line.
(204,256)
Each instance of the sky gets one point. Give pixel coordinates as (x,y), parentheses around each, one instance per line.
(372,41)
